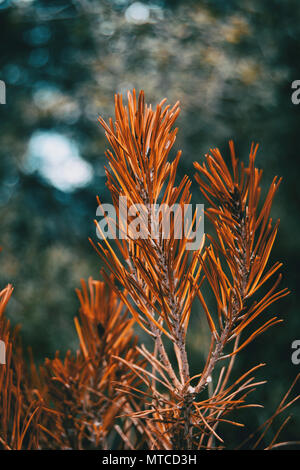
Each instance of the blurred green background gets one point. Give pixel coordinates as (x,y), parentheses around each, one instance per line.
(230,63)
